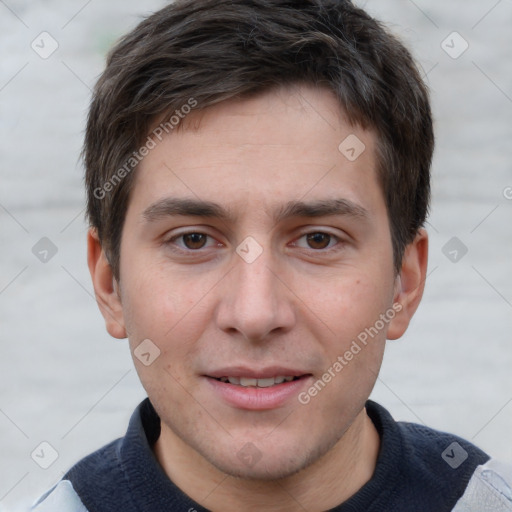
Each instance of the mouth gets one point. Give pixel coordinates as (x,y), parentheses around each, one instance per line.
(251,382)
(267,389)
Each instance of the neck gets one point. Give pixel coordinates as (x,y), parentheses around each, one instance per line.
(326,483)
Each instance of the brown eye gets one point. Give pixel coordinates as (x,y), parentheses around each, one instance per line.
(318,240)
(194,240)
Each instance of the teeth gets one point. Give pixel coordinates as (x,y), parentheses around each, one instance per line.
(260,383)
(248,382)
(266,383)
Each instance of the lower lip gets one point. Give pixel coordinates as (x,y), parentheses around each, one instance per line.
(257,399)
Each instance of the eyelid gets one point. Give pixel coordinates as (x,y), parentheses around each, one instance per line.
(203,230)
(313,230)
(189,230)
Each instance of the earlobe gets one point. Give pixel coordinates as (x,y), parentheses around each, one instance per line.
(410,284)
(105,286)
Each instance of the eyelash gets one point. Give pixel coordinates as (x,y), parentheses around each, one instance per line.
(171,242)
(326,250)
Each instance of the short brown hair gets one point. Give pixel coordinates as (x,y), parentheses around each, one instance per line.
(201,52)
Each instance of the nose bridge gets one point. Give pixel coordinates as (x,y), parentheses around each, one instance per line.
(255,280)
(254,301)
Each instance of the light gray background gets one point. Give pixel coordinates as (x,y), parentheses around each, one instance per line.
(66,382)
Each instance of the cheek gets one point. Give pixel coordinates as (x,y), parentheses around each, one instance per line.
(354,352)
(168,310)
(168,317)
(349,303)
(149,306)
(149,295)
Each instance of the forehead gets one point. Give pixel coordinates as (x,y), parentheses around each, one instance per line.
(269,149)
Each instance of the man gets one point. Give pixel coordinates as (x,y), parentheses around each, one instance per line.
(258,180)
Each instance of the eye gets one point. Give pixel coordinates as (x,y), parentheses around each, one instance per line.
(192,241)
(318,240)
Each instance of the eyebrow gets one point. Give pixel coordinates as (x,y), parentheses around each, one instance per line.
(321,208)
(171,206)
(186,207)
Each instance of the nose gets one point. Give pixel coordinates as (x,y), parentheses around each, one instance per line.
(256,301)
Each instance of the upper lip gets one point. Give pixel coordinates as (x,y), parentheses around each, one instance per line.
(252,373)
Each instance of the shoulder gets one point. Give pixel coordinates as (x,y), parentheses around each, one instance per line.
(454,467)
(489,490)
(422,467)
(97,477)
(107,479)
(434,450)
(61,498)
(424,450)
(97,465)
(439,462)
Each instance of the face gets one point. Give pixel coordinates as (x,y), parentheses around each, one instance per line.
(256,256)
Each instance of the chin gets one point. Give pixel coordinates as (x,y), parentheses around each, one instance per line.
(264,472)
(271,463)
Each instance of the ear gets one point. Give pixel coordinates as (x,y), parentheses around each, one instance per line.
(105,286)
(410,284)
